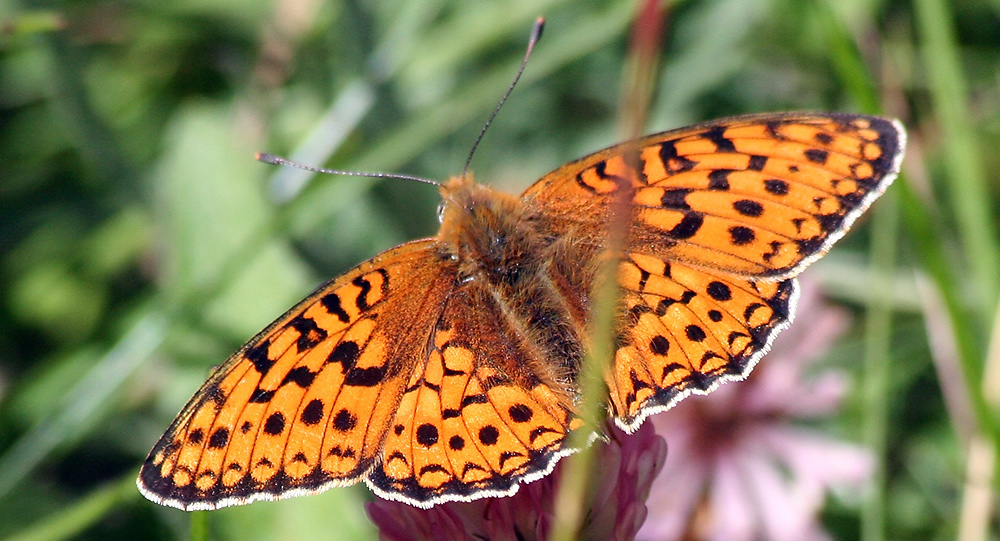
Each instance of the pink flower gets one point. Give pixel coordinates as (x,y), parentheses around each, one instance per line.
(739,466)
(628,465)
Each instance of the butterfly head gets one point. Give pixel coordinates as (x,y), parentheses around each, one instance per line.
(483,228)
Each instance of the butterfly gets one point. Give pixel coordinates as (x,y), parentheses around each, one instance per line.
(446,369)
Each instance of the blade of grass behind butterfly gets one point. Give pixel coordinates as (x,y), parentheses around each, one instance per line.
(91,136)
(964,161)
(978,493)
(701,58)
(962,156)
(466,32)
(927,237)
(575,484)
(71,521)
(857,80)
(83,402)
(878,357)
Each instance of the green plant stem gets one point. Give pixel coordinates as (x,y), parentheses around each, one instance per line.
(878,358)
(199,526)
(573,489)
(978,492)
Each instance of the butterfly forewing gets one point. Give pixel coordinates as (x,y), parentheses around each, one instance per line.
(758,196)
(305,403)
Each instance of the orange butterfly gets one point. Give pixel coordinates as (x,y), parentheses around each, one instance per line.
(446,368)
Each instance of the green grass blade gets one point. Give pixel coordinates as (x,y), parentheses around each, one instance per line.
(977,226)
(70,522)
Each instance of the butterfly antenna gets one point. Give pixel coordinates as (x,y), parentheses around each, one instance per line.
(276,160)
(536,34)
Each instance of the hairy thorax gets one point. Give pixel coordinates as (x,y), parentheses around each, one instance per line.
(506,254)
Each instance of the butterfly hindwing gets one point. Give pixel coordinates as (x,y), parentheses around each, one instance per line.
(470,424)
(686,331)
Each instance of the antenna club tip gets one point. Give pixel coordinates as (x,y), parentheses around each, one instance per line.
(266,158)
(536,31)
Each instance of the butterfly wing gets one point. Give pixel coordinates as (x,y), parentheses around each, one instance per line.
(758,196)
(475,420)
(305,405)
(724,215)
(687,331)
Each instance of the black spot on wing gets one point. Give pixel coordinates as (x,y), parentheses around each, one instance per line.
(719,179)
(346,354)
(489,435)
(817,156)
(301,376)
(757,163)
(659,345)
(361,301)
(258,356)
(331,302)
(474,399)
(260,396)
(675,198)
(719,291)
(310,333)
(741,235)
(344,421)
(219,438)
(717,136)
(776,186)
(672,162)
(312,413)
(427,434)
(688,226)
(520,413)
(275,424)
(695,333)
(365,377)
(748,207)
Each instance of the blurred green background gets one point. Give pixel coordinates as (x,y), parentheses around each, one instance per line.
(140,243)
